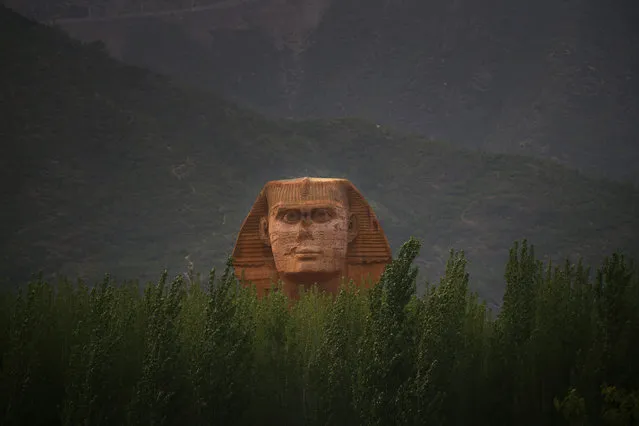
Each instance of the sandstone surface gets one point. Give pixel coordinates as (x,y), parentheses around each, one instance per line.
(310,231)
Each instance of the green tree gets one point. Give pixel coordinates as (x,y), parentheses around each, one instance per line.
(98,387)
(335,368)
(224,374)
(161,393)
(385,358)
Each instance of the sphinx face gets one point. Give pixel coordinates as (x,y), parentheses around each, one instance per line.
(309,239)
(306,234)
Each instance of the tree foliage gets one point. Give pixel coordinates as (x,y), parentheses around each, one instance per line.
(562,350)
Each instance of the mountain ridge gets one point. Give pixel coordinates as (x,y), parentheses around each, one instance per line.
(117,169)
(554,80)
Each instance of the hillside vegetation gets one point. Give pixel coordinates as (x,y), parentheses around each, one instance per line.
(107,167)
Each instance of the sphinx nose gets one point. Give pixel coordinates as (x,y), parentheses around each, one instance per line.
(304,233)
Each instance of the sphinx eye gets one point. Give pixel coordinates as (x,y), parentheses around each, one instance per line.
(291,216)
(321,215)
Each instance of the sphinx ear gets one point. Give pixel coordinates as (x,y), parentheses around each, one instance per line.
(264,235)
(353,227)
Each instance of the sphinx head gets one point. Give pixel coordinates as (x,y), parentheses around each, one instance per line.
(310,230)
(308,227)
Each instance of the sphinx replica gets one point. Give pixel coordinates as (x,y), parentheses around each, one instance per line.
(310,231)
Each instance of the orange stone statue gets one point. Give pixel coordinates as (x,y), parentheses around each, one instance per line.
(310,231)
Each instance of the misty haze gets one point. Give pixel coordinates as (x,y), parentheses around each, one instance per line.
(490,153)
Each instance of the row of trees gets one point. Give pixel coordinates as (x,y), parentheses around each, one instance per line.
(564,349)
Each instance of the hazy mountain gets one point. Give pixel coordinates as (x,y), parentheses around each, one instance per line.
(110,168)
(552,79)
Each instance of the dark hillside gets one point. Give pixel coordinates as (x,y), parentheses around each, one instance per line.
(545,78)
(110,168)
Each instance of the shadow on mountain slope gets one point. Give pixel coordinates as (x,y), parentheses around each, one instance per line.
(110,168)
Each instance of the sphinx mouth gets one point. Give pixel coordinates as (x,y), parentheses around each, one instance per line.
(307,252)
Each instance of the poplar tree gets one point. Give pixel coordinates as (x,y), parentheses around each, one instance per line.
(385,359)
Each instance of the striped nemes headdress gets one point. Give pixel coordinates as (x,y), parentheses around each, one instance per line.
(370,246)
